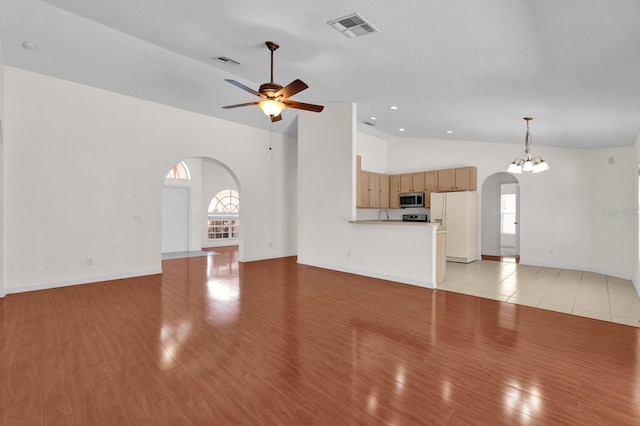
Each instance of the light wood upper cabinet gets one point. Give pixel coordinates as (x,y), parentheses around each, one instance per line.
(394,191)
(412,182)
(466,179)
(384,191)
(446,180)
(430,185)
(379,191)
(460,179)
(373,190)
(405,183)
(417,182)
(363,189)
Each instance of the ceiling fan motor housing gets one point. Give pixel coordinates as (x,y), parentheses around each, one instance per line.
(269,89)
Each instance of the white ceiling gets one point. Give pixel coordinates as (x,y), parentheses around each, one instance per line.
(472,66)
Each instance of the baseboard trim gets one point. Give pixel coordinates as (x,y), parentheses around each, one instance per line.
(81,282)
(394,278)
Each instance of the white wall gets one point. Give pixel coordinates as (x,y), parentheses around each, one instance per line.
(555,205)
(373,151)
(95,158)
(1,169)
(614,213)
(636,228)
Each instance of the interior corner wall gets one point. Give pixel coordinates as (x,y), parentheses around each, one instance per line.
(86,161)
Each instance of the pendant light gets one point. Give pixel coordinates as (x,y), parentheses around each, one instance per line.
(528,164)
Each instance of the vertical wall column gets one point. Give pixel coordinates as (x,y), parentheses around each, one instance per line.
(326,182)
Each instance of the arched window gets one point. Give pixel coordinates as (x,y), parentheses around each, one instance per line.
(224,212)
(179,171)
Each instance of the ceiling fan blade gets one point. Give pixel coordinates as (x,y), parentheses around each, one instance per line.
(276,118)
(291,89)
(241,105)
(302,105)
(243,87)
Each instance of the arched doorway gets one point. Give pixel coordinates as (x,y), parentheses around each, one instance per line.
(500,212)
(187,192)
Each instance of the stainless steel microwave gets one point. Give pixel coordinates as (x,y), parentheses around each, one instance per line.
(411,199)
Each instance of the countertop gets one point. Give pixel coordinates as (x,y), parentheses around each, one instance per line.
(395,222)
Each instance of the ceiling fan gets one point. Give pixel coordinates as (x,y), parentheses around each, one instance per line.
(275,97)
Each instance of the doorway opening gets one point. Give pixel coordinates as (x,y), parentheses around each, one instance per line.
(199,209)
(500,218)
(509,221)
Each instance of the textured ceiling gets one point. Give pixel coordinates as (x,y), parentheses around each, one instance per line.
(475,67)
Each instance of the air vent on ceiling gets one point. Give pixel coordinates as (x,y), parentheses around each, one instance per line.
(353,25)
(226,61)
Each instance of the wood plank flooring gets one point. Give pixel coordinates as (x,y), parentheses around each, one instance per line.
(211,342)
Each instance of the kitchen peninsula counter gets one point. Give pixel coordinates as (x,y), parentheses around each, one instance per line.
(410,252)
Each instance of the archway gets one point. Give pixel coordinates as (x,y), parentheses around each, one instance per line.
(206,178)
(499,227)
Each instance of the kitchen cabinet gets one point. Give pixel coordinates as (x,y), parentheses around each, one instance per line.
(466,179)
(394,191)
(459,179)
(430,185)
(373,190)
(363,189)
(384,202)
(412,182)
(446,180)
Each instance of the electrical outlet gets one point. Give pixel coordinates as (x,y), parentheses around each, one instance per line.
(348,254)
(89,261)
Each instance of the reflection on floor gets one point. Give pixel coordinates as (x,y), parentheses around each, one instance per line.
(586,294)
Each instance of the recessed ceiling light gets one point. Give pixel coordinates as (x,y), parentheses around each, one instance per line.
(393,107)
(373,118)
(449,132)
(401,129)
(29,45)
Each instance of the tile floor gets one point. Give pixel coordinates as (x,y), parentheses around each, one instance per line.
(586,294)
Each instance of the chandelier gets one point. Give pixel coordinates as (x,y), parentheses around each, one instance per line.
(528,164)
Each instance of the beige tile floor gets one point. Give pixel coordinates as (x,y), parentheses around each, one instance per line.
(580,293)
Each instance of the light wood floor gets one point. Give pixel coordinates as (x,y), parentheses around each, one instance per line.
(211,342)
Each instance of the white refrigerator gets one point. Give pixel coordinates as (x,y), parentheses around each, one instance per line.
(458,214)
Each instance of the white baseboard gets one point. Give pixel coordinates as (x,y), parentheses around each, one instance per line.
(259,258)
(401,280)
(80,282)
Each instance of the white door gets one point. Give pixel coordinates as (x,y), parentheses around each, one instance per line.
(175,220)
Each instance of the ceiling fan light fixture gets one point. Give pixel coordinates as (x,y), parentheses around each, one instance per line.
(540,166)
(515,167)
(528,164)
(271,108)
